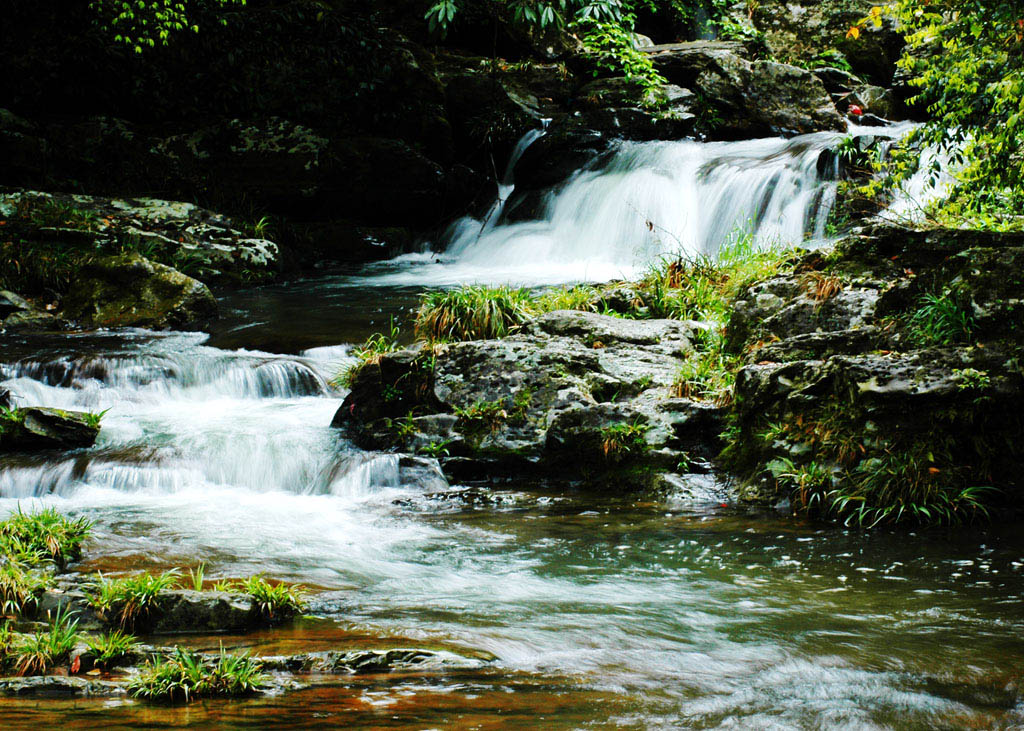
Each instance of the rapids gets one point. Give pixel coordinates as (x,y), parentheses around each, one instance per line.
(599,610)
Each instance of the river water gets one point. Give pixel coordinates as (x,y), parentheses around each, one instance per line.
(592,610)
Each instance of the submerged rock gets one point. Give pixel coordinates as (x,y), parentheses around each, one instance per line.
(131,291)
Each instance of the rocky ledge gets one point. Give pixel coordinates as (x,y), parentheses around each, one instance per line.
(881,380)
(575,394)
(117,262)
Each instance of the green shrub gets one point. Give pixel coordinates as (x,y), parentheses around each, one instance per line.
(621,442)
(370,353)
(21,587)
(129,601)
(51,534)
(274,601)
(186,676)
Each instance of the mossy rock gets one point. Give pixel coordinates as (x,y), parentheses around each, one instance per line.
(131,291)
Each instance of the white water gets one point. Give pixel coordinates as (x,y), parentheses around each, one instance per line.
(185,418)
(647,200)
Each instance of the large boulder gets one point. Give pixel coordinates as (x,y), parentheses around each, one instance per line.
(575,393)
(813,31)
(131,291)
(739,98)
(209,245)
(889,371)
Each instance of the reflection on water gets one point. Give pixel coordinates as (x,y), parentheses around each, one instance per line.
(600,610)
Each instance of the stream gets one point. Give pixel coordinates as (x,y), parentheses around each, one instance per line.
(593,610)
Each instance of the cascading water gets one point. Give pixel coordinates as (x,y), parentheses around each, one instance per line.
(184,417)
(642,201)
(600,610)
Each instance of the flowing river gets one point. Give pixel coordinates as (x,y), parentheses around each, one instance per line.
(575,609)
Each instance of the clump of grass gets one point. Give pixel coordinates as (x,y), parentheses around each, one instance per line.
(111,648)
(370,353)
(197,575)
(620,442)
(942,319)
(93,419)
(473,313)
(274,602)
(38,653)
(129,601)
(56,537)
(186,676)
(577,297)
(822,287)
(62,214)
(707,375)
(702,287)
(838,476)
(21,587)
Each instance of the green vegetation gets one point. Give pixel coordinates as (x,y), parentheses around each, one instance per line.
(486,417)
(109,649)
(967,60)
(837,467)
(47,532)
(129,601)
(612,46)
(701,287)
(621,442)
(473,313)
(370,353)
(186,676)
(21,586)
(273,601)
(139,25)
(942,319)
(971,379)
(39,653)
(709,374)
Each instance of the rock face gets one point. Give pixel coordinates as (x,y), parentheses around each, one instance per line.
(744,98)
(131,291)
(34,428)
(812,30)
(576,393)
(898,358)
(200,241)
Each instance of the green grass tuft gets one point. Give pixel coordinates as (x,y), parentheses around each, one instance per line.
(186,676)
(129,601)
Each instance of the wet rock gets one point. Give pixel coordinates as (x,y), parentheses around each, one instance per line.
(184,610)
(351,662)
(209,245)
(548,398)
(131,291)
(34,428)
(59,687)
(11,303)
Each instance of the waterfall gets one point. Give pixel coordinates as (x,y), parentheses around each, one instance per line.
(641,201)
